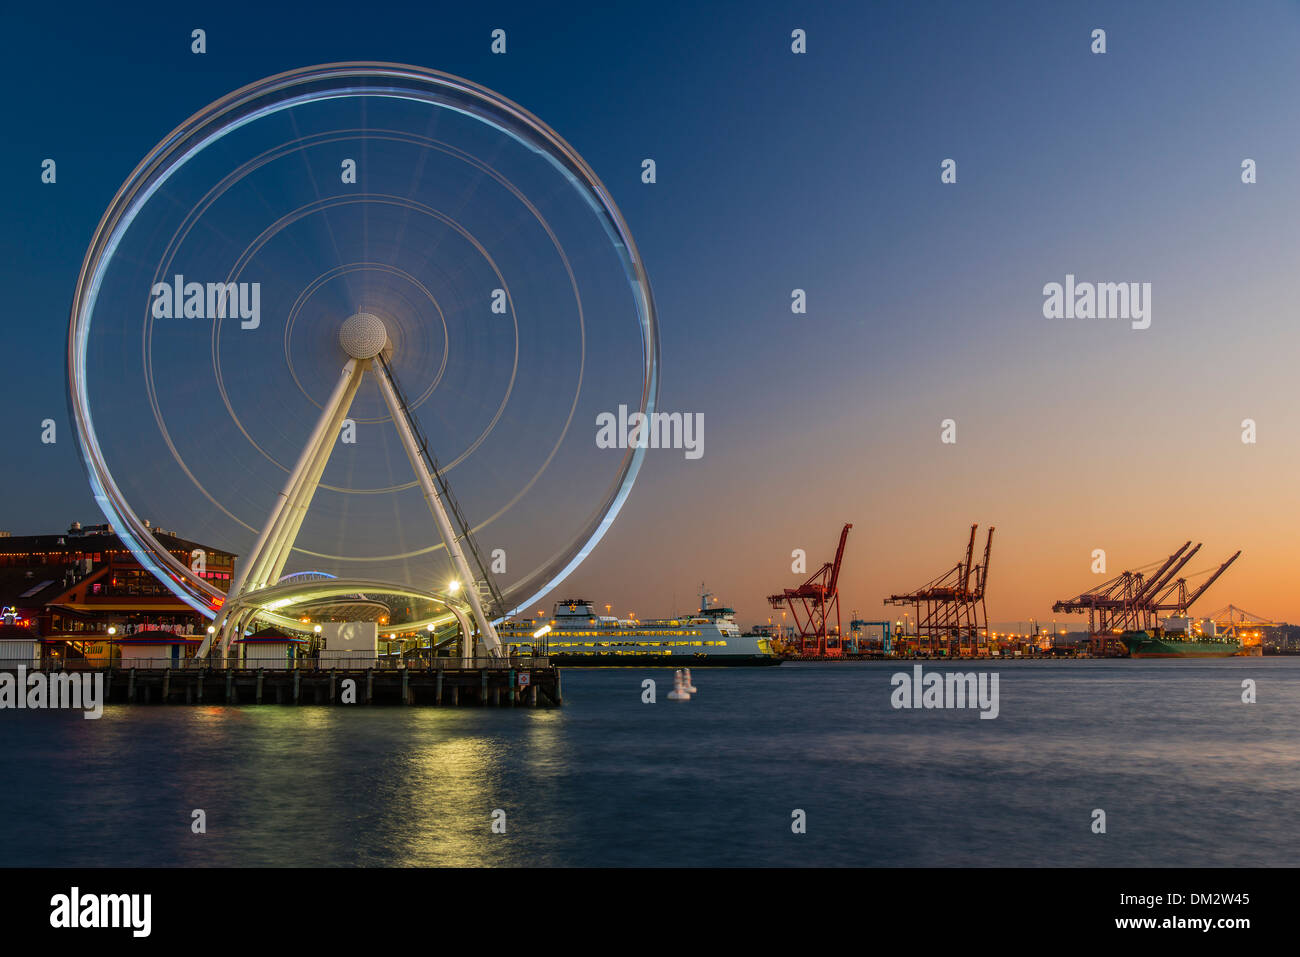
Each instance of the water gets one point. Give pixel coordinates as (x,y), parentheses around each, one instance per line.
(1187,774)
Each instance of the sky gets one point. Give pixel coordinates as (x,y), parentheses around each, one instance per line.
(819,172)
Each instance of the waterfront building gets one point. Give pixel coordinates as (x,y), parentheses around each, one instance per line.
(84,595)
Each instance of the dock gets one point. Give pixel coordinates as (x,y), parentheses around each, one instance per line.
(434,682)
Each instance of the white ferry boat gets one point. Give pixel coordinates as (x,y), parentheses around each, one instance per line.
(577,636)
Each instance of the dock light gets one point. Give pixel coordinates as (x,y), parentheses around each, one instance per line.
(540,632)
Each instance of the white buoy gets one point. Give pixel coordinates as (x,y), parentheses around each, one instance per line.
(686,681)
(679,692)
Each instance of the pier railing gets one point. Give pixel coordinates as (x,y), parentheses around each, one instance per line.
(311,663)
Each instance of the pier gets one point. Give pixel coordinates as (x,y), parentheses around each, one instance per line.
(440,682)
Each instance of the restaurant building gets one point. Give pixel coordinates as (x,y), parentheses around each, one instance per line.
(83,594)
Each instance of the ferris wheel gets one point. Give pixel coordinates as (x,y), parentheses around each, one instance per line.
(327,300)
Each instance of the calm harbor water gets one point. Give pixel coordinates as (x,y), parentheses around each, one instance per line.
(1188,775)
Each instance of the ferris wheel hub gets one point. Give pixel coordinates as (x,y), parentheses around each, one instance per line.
(363,336)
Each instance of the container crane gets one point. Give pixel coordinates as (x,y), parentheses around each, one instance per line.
(813,604)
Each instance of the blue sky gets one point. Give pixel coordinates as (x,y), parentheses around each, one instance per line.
(820,172)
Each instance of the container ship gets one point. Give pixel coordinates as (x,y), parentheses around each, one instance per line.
(1181,638)
(577,636)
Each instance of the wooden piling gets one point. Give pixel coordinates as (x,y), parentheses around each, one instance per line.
(499,687)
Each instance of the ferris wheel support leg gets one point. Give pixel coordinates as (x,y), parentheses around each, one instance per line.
(232,626)
(468,582)
(273,529)
(302,482)
(235,628)
(296,511)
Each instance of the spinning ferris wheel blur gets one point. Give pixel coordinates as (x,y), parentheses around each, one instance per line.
(332,297)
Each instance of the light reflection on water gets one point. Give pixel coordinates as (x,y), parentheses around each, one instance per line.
(1187,774)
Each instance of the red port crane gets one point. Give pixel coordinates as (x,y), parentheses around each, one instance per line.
(950,609)
(1133,600)
(813,603)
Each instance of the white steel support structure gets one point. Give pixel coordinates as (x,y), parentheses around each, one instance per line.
(251,575)
(363,336)
(468,581)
